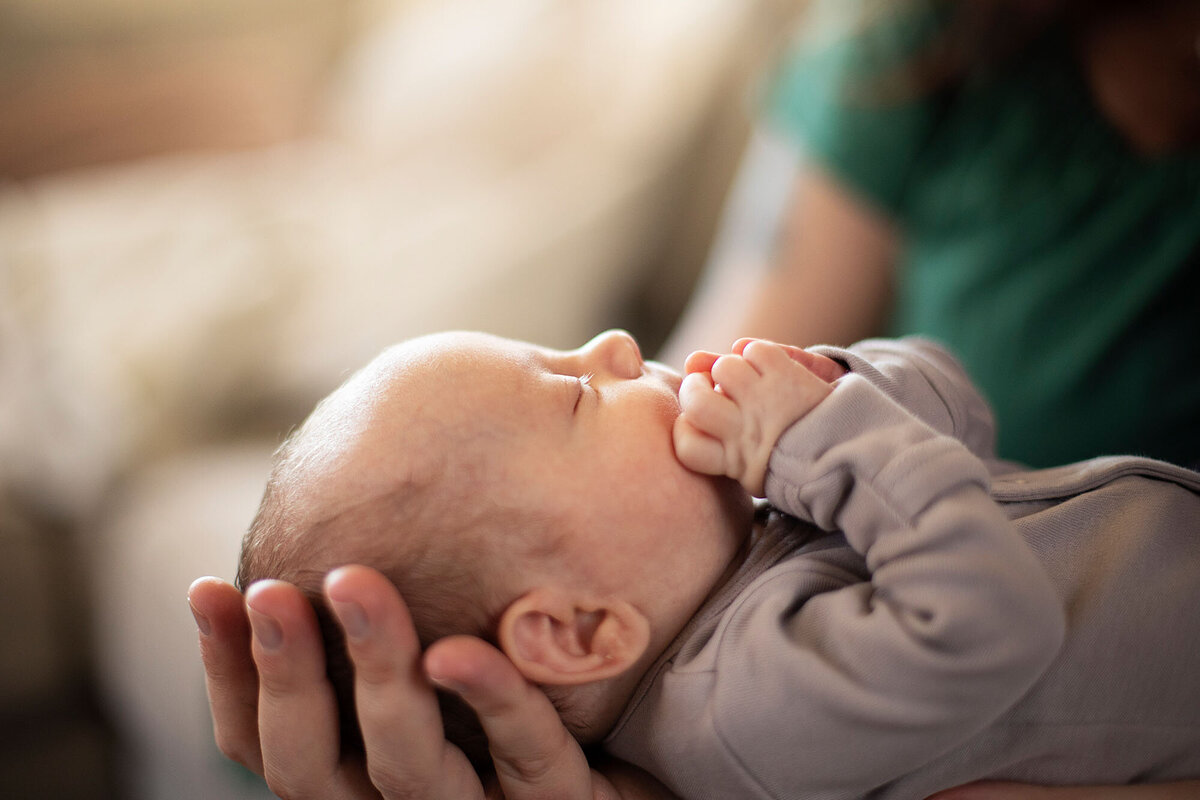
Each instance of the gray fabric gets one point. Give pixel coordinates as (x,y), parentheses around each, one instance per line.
(921,617)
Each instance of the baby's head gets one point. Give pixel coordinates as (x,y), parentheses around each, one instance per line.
(524,495)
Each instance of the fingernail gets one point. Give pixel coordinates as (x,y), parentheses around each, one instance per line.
(201,621)
(353,618)
(266,630)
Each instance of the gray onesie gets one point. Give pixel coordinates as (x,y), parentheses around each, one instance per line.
(917,615)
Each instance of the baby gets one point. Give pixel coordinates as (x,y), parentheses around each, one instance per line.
(908,614)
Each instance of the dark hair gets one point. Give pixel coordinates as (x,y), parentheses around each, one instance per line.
(983,35)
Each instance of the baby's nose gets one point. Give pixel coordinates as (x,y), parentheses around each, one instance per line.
(617,352)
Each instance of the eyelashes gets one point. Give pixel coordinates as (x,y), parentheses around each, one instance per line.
(584,380)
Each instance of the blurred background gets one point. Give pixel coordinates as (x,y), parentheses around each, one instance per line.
(212,210)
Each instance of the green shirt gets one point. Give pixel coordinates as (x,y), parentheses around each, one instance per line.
(1061,266)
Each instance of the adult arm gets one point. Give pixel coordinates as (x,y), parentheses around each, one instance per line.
(831,275)
(274,712)
(822,275)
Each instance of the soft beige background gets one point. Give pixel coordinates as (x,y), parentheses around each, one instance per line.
(212,211)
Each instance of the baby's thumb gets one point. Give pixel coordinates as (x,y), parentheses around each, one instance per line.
(696,450)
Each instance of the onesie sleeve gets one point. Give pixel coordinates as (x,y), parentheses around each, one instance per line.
(835,693)
(928,382)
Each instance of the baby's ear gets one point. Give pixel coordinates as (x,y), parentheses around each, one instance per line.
(558,637)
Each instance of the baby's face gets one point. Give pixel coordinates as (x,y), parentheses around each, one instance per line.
(585,435)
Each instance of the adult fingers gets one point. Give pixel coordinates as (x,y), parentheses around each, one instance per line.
(297,712)
(534,755)
(407,754)
(229,672)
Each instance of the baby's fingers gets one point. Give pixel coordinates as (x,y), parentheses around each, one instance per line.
(766,356)
(786,379)
(708,410)
(700,361)
(696,450)
(736,377)
(823,367)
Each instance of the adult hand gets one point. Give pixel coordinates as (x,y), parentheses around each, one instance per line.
(274,710)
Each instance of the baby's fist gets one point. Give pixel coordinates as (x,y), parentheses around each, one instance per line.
(735,407)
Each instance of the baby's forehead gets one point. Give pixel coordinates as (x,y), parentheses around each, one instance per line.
(443,412)
(399,411)
(450,384)
(457,366)
(460,347)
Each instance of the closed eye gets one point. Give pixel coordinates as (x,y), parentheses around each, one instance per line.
(584,380)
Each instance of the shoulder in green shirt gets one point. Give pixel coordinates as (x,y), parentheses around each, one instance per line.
(1061,266)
